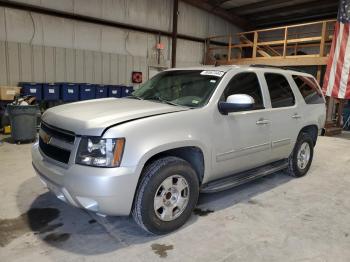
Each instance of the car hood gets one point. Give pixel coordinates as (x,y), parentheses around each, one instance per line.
(92,117)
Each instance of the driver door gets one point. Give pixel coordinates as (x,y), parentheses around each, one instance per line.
(246,134)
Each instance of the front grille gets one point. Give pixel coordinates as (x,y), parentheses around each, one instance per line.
(53,152)
(58,133)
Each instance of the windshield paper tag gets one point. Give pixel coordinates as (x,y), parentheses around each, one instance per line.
(212,73)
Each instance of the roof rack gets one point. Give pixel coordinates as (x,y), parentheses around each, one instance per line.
(262,65)
(277,67)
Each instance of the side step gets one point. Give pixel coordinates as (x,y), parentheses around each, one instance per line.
(243,177)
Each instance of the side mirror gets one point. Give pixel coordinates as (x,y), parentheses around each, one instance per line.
(235,103)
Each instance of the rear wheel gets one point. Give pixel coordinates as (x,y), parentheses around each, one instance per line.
(167,194)
(301,158)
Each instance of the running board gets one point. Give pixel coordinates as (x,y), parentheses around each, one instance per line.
(243,177)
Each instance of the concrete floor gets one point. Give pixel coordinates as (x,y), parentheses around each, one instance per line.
(273,219)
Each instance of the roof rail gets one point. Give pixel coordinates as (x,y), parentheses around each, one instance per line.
(277,67)
(263,66)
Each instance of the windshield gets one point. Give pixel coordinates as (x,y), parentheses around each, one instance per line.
(191,88)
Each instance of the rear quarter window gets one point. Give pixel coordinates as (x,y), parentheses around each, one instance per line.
(309,89)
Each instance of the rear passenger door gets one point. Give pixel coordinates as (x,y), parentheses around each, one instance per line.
(284,113)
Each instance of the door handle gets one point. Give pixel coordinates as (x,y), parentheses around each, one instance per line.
(296,116)
(262,122)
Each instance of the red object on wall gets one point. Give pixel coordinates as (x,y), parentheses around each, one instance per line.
(136,77)
(160,46)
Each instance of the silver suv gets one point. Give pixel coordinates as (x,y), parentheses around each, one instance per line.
(185,131)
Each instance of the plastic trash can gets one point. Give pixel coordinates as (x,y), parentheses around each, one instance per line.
(114,91)
(101,91)
(23,121)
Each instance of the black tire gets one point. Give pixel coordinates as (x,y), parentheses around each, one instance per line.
(152,177)
(293,169)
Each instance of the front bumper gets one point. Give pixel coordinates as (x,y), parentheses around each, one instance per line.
(108,191)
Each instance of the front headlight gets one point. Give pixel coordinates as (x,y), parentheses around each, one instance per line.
(101,152)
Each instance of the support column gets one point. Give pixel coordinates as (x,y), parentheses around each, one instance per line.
(174,33)
(255,44)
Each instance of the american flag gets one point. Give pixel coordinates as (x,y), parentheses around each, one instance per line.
(337,78)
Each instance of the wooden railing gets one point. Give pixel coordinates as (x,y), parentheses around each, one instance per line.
(293,45)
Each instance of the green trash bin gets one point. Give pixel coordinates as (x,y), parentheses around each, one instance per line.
(23,120)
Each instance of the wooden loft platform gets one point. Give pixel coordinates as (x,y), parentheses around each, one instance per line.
(305,44)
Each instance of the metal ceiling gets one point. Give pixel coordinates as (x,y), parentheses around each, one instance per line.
(252,14)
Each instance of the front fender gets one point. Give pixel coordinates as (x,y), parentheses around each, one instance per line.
(174,145)
(145,138)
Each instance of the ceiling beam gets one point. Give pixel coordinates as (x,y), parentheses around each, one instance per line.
(263,5)
(217,3)
(292,19)
(297,9)
(232,18)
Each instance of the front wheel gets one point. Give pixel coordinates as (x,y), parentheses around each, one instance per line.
(301,158)
(166,196)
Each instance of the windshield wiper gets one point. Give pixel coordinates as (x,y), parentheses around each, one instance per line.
(157,98)
(170,103)
(134,97)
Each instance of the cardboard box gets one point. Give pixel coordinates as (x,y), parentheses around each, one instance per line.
(8,93)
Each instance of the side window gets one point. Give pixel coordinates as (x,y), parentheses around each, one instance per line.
(309,89)
(281,93)
(245,83)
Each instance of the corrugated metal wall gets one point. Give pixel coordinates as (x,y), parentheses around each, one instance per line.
(22,62)
(41,48)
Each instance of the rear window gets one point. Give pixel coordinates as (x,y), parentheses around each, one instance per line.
(309,89)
